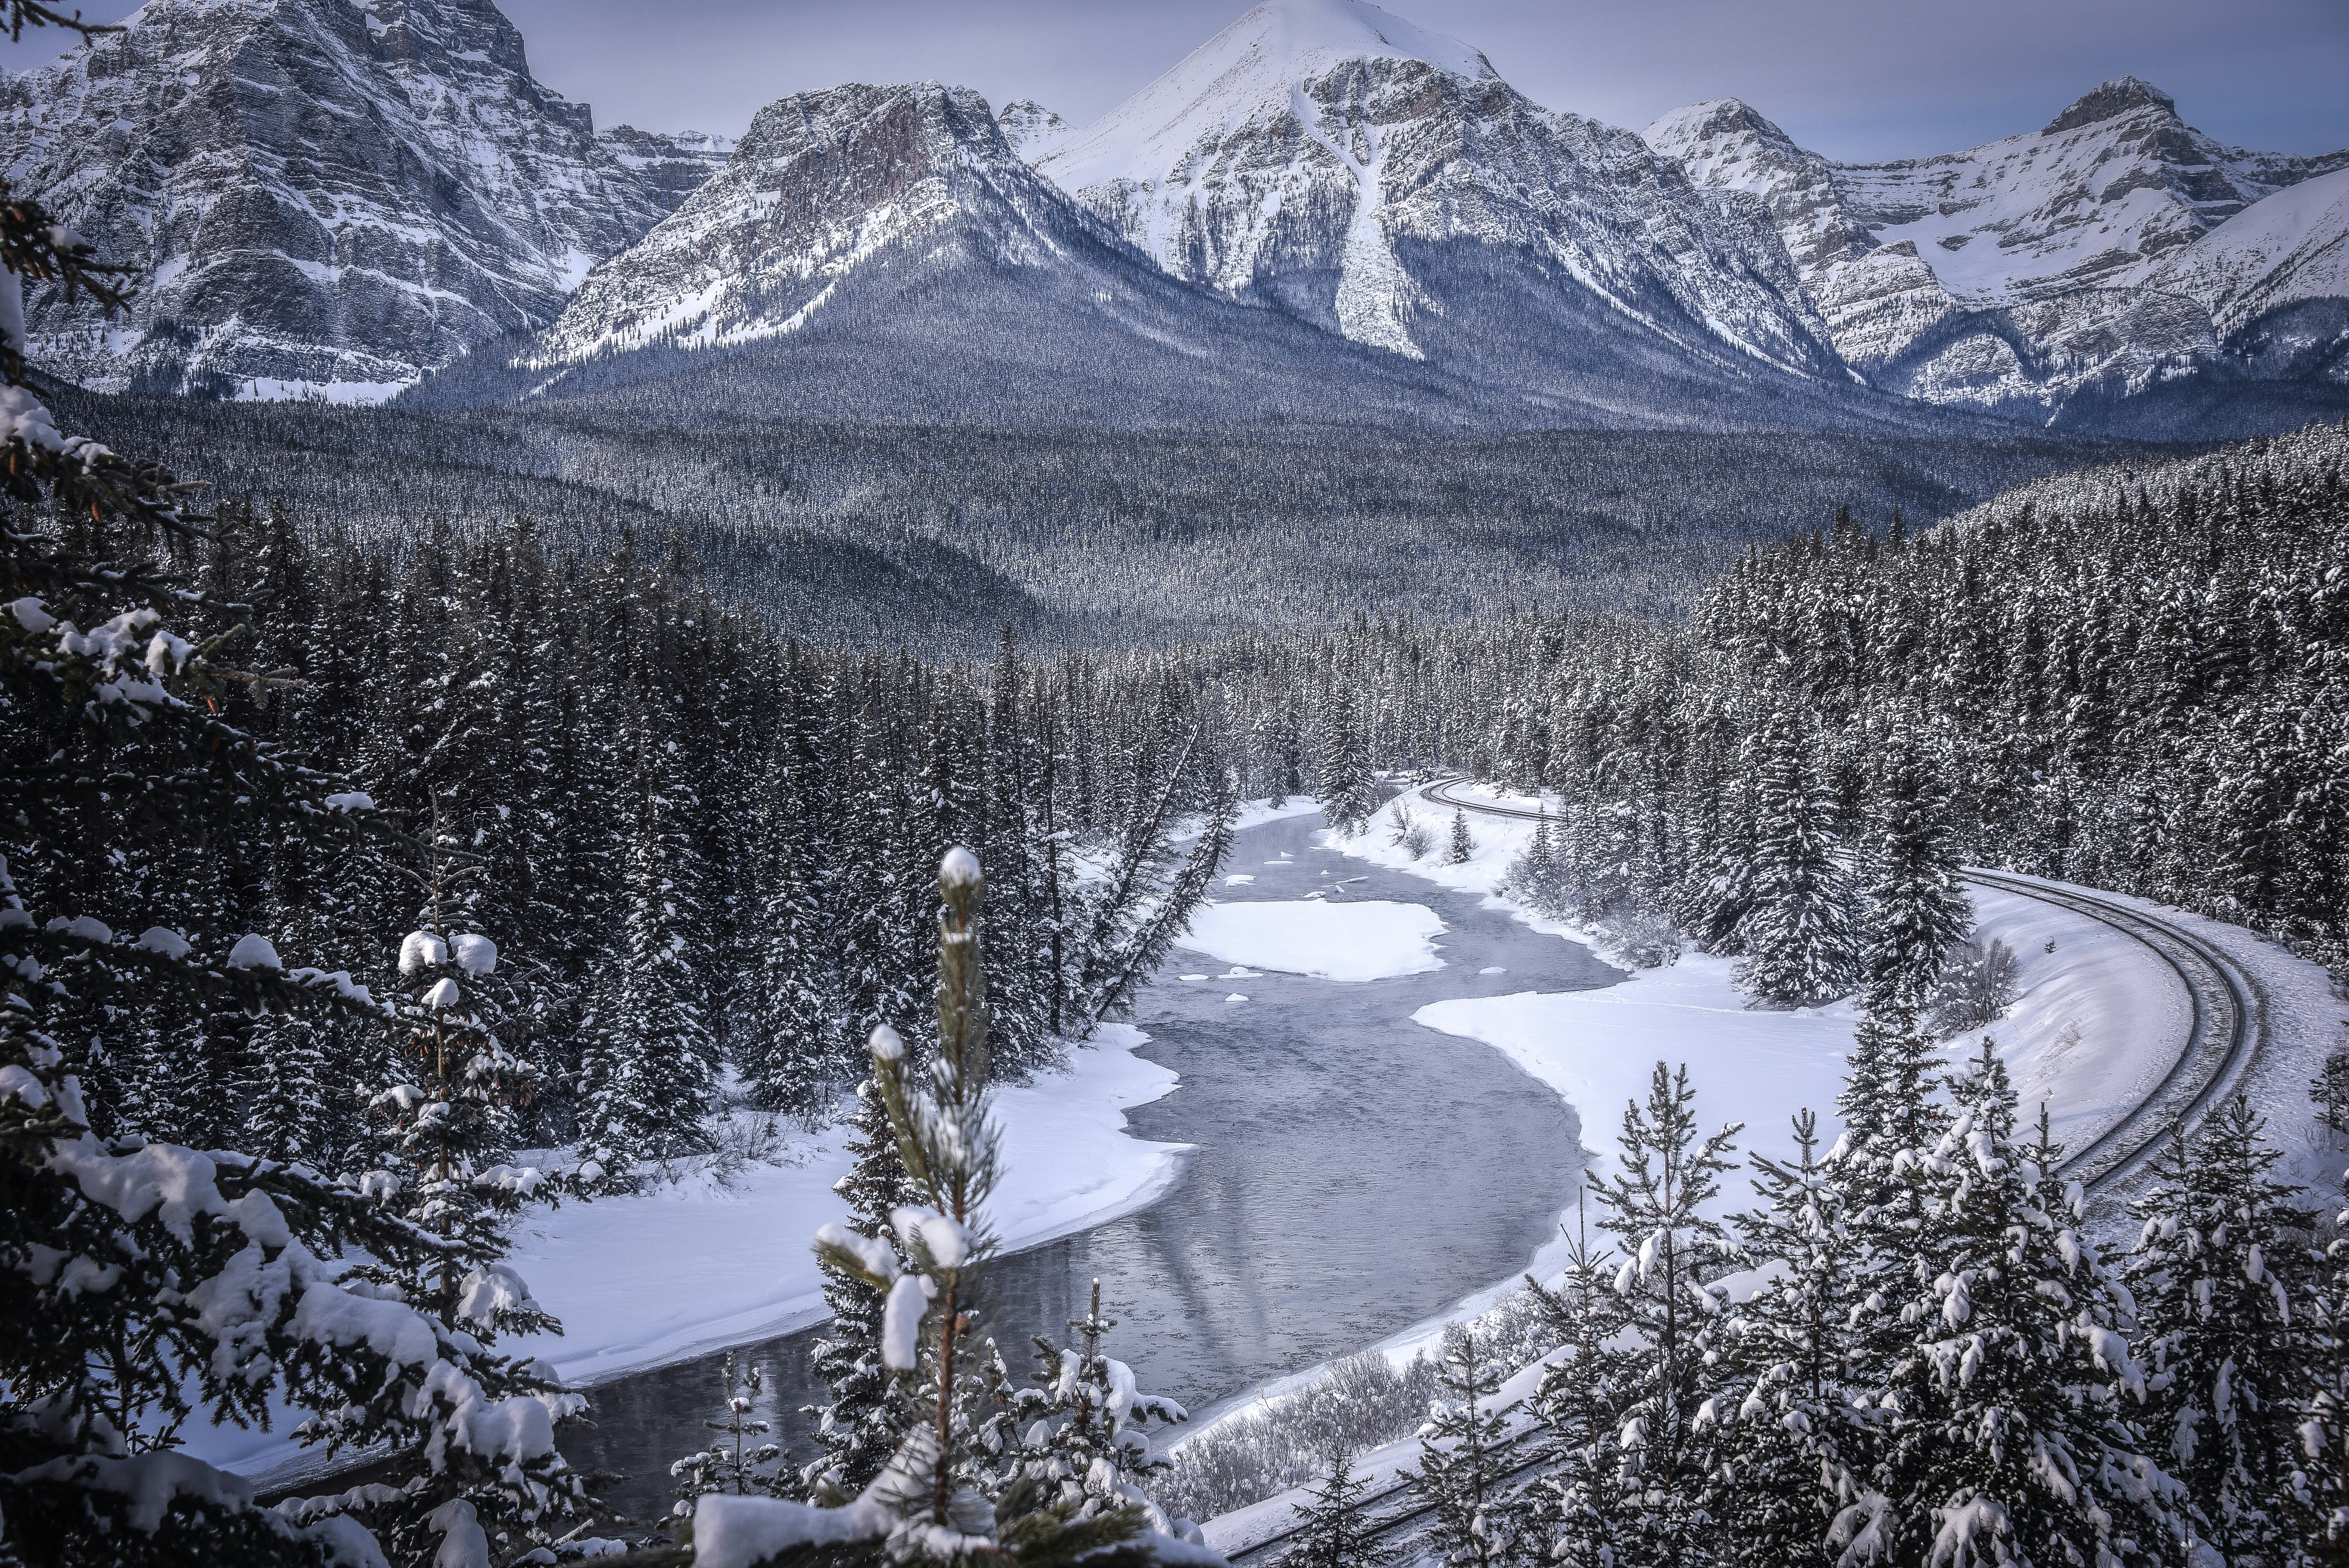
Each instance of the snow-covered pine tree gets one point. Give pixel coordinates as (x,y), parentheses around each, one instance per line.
(1915,906)
(1655,1206)
(1081,1433)
(1346,785)
(923,1504)
(1463,1462)
(1799,936)
(447,1155)
(869,1414)
(2220,1262)
(1132,916)
(1462,846)
(652,1079)
(734,1463)
(146,1284)
(1334,1529)
(2011,1434)
(788,1044)
(1792,1454)
(1580,1511)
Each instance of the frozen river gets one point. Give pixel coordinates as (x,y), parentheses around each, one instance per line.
(1353,1173)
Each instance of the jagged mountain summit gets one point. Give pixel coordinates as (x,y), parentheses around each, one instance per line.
(880,252)
(2042,276)
(321,196)
(1328,159)
(1030,129)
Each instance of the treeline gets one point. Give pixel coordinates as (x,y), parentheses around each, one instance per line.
(702,850)
(1910,1351)
(2140,683)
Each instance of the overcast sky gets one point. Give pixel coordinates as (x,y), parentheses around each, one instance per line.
(1852,78)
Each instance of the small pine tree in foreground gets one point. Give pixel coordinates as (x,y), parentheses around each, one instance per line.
(1334,1529)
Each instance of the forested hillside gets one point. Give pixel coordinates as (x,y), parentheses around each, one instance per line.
(696,844)
(880,534)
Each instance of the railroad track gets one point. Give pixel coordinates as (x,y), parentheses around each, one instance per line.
(2226,1029)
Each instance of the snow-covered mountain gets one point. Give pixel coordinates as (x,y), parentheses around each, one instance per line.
(1329,159)
(883,252)
(2031,273)
(1030,129)
(313,195)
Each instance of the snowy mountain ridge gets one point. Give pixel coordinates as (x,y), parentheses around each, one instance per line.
(320,197)
(2025,274)
(1329,159)
(822,184)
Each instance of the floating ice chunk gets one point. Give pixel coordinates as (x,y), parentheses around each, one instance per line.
(1239,878)
(1235,996)
(1195,976)
(1495,969)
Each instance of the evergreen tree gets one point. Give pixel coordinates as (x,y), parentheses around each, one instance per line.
(1656,1206)
(652,1077)
(1462,1461)
(868,1416)
(148,1284)
(1798,935)
(2216,1272)
(2010,1432)
(1463,846)
(1915,908)
(924,1503)
(732,1465)
(1792,1453)
(1333,1530)
(1082,1429)
(1583,1507)
(1347,786)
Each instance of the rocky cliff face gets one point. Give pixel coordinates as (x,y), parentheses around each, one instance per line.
(322,197)
(1324,159)
(2018,276)
(822,187)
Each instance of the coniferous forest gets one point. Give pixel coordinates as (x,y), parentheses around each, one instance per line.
(363,888)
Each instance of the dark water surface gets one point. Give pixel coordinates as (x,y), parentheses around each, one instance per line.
(1354,1174)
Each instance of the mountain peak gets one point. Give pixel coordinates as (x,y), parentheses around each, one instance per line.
(2122,95)
(1031,128)
(1253,67)
(1307,31)
(1713,117)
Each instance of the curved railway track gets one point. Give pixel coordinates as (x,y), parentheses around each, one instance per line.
(2225,1030)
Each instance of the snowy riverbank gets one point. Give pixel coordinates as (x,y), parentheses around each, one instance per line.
(694,1265)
